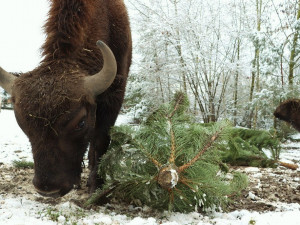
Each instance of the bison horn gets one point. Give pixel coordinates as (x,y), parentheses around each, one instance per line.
(99,82)
(6,80)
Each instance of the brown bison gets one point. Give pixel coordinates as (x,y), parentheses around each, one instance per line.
(74,96)
(289,111)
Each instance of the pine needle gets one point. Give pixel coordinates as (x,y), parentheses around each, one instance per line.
(201,152)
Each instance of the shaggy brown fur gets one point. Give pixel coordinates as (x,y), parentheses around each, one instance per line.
(289,111)
(51,105)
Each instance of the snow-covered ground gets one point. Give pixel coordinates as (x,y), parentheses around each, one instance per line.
(14,144)
(16,210)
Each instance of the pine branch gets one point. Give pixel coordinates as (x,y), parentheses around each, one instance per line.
(139,146)
(181,193)
(196,158)
(173,144)
(100,195)
(154,161)
(176,106)
(142,148)
(185,182)
(171,199)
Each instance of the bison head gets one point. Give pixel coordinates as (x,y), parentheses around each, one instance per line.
(289,111)
(55,107)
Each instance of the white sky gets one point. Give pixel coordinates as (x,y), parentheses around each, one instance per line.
(21,33)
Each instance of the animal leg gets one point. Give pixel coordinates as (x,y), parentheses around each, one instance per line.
(97,149)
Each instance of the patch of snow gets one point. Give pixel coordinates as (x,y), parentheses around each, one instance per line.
(103,220)
(122,119)
(295,136)
(61,219)
(290,152)
(252,196)
(252,169)
(174,179)
(14,144)
(257,175)
(21,211)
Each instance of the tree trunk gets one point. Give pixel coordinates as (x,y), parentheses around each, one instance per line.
(255,66)
(236,80)
(179,51)
(293,52)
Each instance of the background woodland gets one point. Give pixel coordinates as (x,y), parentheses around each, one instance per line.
(235,59)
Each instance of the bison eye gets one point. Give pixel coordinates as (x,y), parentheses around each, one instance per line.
(80,125)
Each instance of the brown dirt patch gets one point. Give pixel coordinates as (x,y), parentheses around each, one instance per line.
(266,188)
(15,182)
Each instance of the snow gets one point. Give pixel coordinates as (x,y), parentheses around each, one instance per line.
(19,210)
(22,211)
(174,176)
(296,136)
(14,144)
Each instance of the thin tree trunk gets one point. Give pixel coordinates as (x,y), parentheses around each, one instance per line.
(196,93)
(161,89)
(236,80)
(179,51)
(293,52)
(158,79)
(255,66)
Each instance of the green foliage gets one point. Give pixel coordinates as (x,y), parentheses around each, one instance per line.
(23,164)
(284,130)
(168,137)
(245,148)
(69,215)
(252,222)
(53,214)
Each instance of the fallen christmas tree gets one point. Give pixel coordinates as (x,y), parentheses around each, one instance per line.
(247,147)
(169,163)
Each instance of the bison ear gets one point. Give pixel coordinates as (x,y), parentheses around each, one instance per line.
(6,80)
(99,82)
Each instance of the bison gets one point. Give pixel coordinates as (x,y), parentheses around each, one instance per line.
(289,111)
(72,99)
